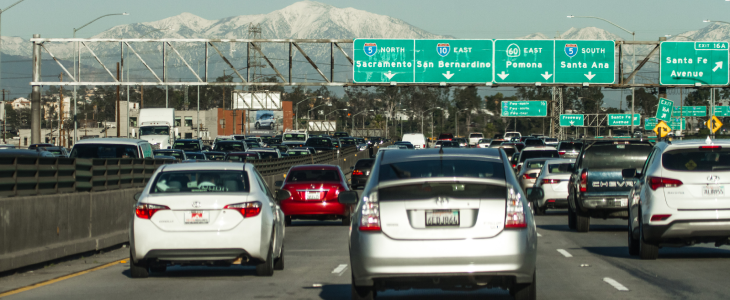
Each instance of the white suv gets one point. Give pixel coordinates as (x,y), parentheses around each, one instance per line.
(681,198)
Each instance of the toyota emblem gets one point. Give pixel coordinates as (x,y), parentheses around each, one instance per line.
(196,204)
(713,178)
(442,201)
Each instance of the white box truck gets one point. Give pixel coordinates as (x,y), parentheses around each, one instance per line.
(157,126)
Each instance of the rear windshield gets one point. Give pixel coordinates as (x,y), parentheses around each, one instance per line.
(364,163)
(104,151)
(295,137)
(445,136)
(195,155)
(442,189)
(560,168)
(197,181)
(534,142)
(495,143)
(222,146)
(693,160)
(187,146)
(509,151)
(535,164)
(319,142)
(539,153)
(177,155)
(268,155)
(313,175)
(476,135)
(241,158)
(611,156)
(216,156)
(442,168)
(298,152)
(570,146)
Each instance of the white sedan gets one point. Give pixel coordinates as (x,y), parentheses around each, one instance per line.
(207,214)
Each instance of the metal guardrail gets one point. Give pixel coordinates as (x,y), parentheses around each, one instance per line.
(282,165)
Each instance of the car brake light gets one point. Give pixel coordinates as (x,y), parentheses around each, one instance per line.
(514,165)
(712,147)
(561,152)
(247,209)
(583,181)
(424,146)
(370,220)
(356,172)
(550,181)
(655,218)
(515,214)
(146,211)
(658,182)
(529,176)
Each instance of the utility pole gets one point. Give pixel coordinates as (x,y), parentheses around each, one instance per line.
(118,108)
(60,112)
(35,96)
(4,118)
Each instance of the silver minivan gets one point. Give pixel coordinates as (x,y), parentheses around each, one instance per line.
(442,218)
(112,148)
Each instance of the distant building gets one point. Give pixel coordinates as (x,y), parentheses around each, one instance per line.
(20,103)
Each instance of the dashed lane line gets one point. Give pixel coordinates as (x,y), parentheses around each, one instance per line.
(539,235)
(615,284)
(340,269)
(565,253)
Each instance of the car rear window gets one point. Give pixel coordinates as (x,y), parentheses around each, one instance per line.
(616,156)
(229,146)
(313,175)
(539,153)
(451,190)
(187,146)
(441,168)
(570,146)
(495,143)
(509,151)
(534,142)
(560,168)
(535,164)
(445,136)
(295,137)
(216,156)
(694,160)
(195,155)
(104,151)
(476,135)
(364,163)
(198,181)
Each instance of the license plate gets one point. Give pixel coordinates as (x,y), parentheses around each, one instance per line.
(713,191)
(197,217)
(617,202)
(445,217)
(312,195)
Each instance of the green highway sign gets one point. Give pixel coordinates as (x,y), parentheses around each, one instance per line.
(383,60)
(579,61)
(524,61)
(664,109)
(688,63)
(456,61)
(572,120)
(722,111)
(674,123)
(623,120)
(524,108)
(689,111)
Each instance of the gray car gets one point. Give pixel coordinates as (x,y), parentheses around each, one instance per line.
(444,219)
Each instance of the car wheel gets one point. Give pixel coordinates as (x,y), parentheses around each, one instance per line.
(647,251)
(139,269)
(362,292)
(267,267)
(582,223)
(526,291)
(257,125)
(279,262)
(287,220)
(633,243)
(539,211)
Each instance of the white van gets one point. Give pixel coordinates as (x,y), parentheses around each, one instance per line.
(111,148)
(417,139)
(474,138)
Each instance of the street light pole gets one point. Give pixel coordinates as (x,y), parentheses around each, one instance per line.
(423,113)
(77,71)
(633,80)
(334,111)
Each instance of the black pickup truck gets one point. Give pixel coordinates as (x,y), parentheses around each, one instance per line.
(597,188)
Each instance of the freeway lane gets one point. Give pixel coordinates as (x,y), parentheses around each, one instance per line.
(597,267)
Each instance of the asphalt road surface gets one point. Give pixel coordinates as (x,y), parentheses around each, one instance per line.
(571,265)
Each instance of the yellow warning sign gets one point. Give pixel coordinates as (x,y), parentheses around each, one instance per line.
(713,124)
(662,129)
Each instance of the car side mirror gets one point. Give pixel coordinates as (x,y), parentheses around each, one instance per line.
(629,173)
(137,196)
(349,197)
(278,184)
(282,195)
(352,168)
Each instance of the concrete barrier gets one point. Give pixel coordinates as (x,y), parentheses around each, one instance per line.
(34,229)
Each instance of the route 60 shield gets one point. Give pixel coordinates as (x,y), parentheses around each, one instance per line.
(571,49)
(443,49)
(370,49)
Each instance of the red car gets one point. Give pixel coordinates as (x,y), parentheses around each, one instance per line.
(314,190)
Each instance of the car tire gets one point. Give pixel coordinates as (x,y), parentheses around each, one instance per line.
(526,291)
(139,269)
(279,262)
(582,223)
(571,218)
(633,243)
(647,251)
(267,267)
(539,211)
(362,292)
(287,220)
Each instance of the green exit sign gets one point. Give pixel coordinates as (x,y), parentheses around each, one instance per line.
(453,61)
(524,61)
(691,63)
(383,60)
(524,108)
(585,61)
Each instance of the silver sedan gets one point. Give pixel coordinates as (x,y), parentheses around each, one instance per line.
(442,220)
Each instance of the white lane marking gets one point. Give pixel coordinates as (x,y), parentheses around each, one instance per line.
(615,284)
(341,268)
(565,253)
(539,235)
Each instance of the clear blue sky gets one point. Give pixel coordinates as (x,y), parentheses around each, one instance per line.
(460,18)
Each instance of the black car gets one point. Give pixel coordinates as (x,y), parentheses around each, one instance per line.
(407,144)
(282,148)
(274,140)
(216,155)
(194,145)
(375,140)
(348,142)
(176,153)
(361,172)
(196,155)
(310,149)
(231,146)
(340,134)
(320,144)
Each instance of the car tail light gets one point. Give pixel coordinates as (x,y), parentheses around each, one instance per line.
(583,181)
(529,176)
(424,146)
(356,172)
(658,182)
(550,181)
(514,165)
(515,216)
(370,217)
(711,147)
(655,218)
(146,211)
(561,152)
(247,209)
